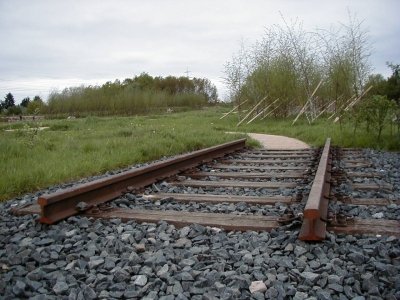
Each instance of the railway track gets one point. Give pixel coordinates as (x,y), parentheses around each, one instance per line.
(235,188)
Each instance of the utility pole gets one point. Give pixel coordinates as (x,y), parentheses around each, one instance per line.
(187,72)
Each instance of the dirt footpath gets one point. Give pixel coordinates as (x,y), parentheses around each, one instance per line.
(276,142)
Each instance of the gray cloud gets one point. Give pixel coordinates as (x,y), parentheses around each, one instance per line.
(53,44)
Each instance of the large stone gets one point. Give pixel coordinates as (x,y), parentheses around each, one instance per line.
(248,259)
(141,280)
(356,258)
(104,295)
(60,287)
(25,242)
(335,279)
(323,295)
(299,251)
(140,248)
(187,262)
(310,276)
(95,263)
(289,247)
(19,288)
(34,285)
(336,287)
(163,271)
(88,293)
(379,215)
(348,291)
(184,231)
(257,287)
(177,288)
(184,276)
(272,293)
(369,283)
(182,243)
(300,296)
(121,275)
(134,258)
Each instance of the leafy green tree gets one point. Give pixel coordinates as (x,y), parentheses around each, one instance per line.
(14,110)
(8,101)
(25,102)
(37,98)
(35,106)
(144,81)
(393,83)
(378,83)
(376,112)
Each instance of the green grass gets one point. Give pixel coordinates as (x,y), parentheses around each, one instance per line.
(72,149)
(316,133)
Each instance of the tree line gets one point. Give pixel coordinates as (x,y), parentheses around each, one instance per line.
(27,106)
(139,94)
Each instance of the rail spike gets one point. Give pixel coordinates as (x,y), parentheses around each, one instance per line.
(316,209)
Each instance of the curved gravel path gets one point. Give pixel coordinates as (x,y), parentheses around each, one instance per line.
(278,142)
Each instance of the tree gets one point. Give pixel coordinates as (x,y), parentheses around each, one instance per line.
(35,105)
(8,101)
(14,110)
(290,62)
(25,102)
(37,98)
(376,112)
(393,83)
(378,83)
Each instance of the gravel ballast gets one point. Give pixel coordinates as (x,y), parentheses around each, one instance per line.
(82,258)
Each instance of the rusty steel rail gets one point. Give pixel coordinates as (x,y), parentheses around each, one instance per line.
(316,209)
(62,204)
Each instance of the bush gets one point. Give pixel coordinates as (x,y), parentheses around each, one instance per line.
(376,112)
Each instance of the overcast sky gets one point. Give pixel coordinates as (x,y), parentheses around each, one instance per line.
(52,44)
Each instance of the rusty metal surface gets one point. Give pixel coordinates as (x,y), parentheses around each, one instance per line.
(316,209)
(62,204)
(181,219)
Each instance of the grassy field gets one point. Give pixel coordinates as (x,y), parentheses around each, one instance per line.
(71,149)
(316,133)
